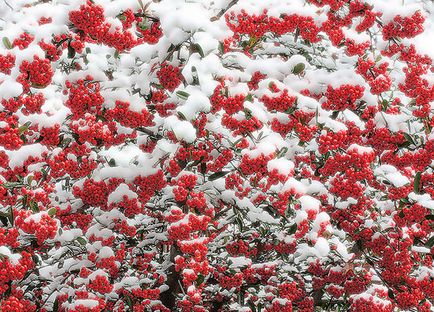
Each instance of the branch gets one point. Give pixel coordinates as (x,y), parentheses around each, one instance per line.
(223,11)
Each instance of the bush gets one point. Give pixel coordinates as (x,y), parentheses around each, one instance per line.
(216,155)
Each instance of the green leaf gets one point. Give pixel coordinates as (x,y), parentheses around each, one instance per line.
(221,48)
(11,216)
(52,212)
(7,43)
(430,217)
(409,138)
(81,240)
(416,185)
(391,294)
(143,25)
(197,48)
(281,152)
(56,305)
(33,206)
(217,175)
(292,229)
(71,52)
(299,68)
(182,95)
(129,303)
(24,127)
(248,113)
(430,242)
(112,162)
(249,98)
(181,116)
(200,279)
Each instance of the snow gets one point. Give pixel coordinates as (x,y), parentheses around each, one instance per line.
(360,149)
(182,129)
(293,184)
(117,195)
(18,157)
(86,303)
(309,203)
(10,89)
(196,102)
(105,252)
(391,174)
(239,262)
(424,200)
(69,235)
(5,252)
(36,217)
(322,247)
(282,165)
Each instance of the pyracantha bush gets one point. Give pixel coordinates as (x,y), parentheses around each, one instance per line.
(216,155)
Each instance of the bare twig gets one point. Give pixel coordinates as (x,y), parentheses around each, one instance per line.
(223,11)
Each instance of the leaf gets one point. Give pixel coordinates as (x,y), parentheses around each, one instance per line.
(248,113)
(182,95)
(200,279)
(409,138)
(34,206)
(416,185)
(221,48)
(217,175)
(281,152)
(52,212)
(56,305)
(430,217)
(292,229)
(112,162)
(81,240)
(299,68)
(71,51)
(7,43)
(391,294)
(181,116)
(197,48)
(249,98)
(24,127)
(429,243)
(129,303)
(297,33)
(144,24)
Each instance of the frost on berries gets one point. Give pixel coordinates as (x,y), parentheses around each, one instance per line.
(216,155)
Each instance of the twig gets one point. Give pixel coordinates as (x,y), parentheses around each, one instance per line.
(223,11)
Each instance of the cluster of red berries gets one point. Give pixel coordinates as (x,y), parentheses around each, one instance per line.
(169,76)
(43,227)
(84,97)
(37,73)
(404,27)
(281,103)
(343,97)
(7,62)
(23,41)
